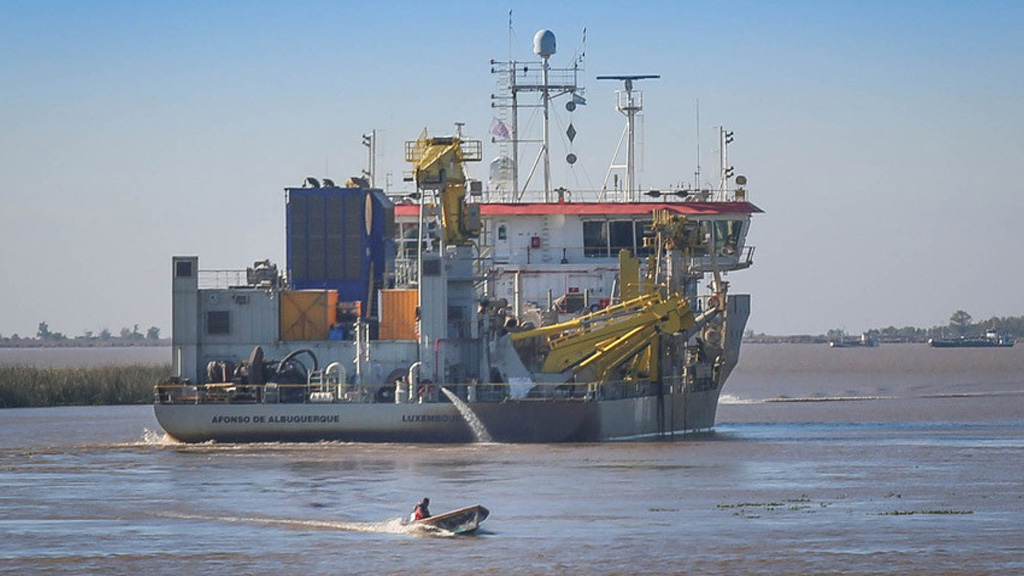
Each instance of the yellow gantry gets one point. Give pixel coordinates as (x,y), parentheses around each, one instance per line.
(607,339)
(624,340)
(439,165)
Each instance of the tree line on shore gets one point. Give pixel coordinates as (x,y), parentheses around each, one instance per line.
(45,337)
(960,324)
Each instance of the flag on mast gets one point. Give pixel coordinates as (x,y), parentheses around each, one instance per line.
(500,129)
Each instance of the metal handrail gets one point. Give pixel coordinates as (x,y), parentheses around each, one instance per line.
(213,279)
(164,393)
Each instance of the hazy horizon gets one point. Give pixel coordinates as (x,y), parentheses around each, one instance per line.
(882,139)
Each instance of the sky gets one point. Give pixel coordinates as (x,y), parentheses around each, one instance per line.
(884,140)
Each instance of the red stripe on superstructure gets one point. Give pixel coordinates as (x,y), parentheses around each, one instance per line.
(601,208)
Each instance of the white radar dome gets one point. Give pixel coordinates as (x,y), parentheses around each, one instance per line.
(544,43)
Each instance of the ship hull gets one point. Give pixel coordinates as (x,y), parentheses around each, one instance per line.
(540,420)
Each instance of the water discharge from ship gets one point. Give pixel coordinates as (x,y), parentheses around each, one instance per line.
(480,433)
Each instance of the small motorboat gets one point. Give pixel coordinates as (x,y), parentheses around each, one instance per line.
(461,521)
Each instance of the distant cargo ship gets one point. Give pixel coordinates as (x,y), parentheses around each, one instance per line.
(991,339)
(865,340)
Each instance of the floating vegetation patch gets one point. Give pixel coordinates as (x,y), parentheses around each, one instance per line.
(804,504)
(765,505)
(801,503)
(933,512)
(754,509)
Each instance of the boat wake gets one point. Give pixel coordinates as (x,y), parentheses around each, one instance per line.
(157,438)
(828,398)
(390,526)
(730,399)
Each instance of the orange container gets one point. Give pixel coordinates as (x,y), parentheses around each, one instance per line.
(398,314)
(307,314)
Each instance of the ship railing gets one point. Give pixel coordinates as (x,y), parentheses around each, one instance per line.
(529,75)
(725,261)
(218,279)
(656,196)
(484,392)
(406,271)
(561,254)
(595,256)
(271,393)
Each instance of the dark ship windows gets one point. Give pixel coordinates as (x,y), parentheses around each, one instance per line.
(644,236)
(218,322)
(595,239)
(727,236)
(620,236)
(604,239)
(183,269)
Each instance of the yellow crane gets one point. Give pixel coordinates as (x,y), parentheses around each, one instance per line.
(606,340)
(624,340)
(438,164)
(623,336)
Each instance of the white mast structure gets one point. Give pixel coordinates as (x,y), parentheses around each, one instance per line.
(544,46)
(725,138)
(629,103)
(515,77)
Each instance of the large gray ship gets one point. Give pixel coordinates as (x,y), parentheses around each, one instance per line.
(466,312)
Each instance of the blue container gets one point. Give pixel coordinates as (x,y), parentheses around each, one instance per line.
(339,239)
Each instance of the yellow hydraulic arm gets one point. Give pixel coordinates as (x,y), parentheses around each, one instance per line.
(439,165)
(608,338)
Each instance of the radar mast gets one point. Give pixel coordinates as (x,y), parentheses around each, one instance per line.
(514,77)
(628,102)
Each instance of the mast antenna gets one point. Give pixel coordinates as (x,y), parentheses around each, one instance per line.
(629,103)
(696,173)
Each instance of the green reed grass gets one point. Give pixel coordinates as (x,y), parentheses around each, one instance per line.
(24,386)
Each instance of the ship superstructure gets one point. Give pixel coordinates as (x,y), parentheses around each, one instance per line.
(456,313)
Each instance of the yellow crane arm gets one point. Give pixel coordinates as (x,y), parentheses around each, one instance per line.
(439,164)
(587,321)
(609,338)
(571,349)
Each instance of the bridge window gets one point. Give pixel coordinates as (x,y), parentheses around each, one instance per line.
(604,239)
(643,232)
(595,239)
(620,236)
(727,236)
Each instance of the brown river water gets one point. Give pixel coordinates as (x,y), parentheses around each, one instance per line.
(896,460)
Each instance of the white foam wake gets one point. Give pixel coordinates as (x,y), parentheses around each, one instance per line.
(157,438)
(390,526)
(730,399)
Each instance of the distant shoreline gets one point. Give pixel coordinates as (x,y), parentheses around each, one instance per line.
(84,343)
(807,339)
(33,344)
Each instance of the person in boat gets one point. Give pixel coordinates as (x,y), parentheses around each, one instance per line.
(422,510)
